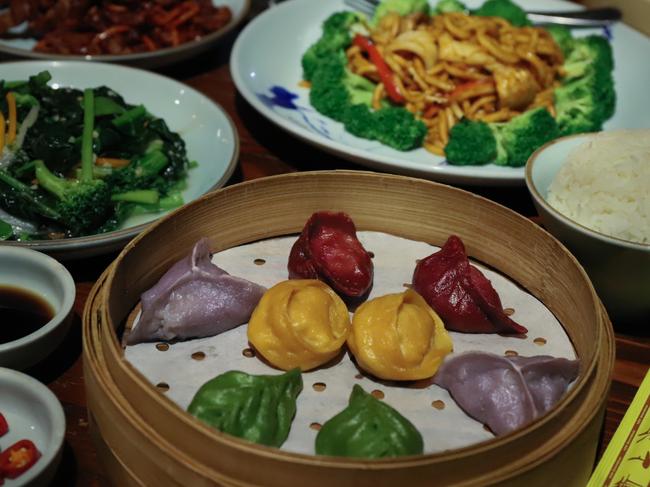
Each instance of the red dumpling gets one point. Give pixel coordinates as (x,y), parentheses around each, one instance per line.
(462,296)
(328,249)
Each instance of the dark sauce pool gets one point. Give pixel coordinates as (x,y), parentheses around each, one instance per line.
(21,312)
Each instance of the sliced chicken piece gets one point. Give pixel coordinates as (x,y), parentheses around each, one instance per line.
(450,49)
(418,42)
(516,87)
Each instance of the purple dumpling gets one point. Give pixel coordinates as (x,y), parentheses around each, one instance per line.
(194,299)
(506,393)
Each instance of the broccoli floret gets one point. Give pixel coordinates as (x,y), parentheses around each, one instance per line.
(334,87)
(359,88)
(336,36)
(447,6)
(142,173)
(524,134)
(339,22)
(583,105)
(393,126)
(328,94)
(587,97)
(604,87)
(505,144)
(82,205)
(501,158)
(592,53)
(401,7)
(471,142)
(562,37)
(398,128)
(505,9)
(359,120)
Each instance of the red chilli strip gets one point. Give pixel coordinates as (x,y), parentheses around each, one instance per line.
(18,458)
(4,426)
(462,296)
(385,74)
(328,249)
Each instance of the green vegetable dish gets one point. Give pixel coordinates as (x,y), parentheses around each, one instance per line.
(76,163)
(476,86)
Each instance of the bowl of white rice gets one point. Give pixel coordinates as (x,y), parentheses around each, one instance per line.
(592,192)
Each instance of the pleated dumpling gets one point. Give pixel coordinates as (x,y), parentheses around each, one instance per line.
(328,249)
(506,393)
(194,299)
(460,293)
(398,337)
(299,323)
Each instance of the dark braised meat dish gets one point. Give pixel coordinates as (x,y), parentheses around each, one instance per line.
(112,27)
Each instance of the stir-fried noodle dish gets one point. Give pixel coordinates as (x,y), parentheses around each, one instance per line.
(454,65)
(113,27)
(476,86)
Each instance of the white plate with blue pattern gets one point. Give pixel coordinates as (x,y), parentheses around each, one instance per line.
(265,66)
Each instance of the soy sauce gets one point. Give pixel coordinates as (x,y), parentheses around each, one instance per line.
(21,313)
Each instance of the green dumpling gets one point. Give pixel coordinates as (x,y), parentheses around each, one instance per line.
(368,428)
(258,408)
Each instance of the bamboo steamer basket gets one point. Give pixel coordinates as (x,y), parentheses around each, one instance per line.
(145,439)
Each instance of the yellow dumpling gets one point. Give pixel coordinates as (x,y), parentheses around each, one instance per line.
(399,337)
(299,323)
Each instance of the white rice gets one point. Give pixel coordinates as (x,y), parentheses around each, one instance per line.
(605,185)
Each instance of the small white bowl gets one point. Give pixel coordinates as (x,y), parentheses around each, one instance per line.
(619,269)
(47,278)
(34,413)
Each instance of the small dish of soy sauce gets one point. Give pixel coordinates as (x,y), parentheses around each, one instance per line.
(36,297)
(22,312)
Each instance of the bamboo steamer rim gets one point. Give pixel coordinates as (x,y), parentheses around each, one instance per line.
(113,347)
(92,366)
(96,372)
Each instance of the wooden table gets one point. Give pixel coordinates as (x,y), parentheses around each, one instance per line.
(265,150)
